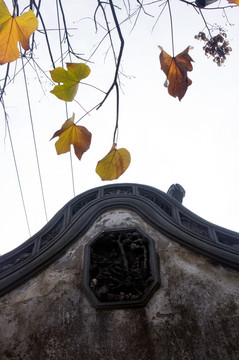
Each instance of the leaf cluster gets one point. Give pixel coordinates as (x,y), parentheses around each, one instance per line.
(116,161)
(17,29)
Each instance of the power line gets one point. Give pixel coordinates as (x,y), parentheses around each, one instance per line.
(17,172)
(34,139)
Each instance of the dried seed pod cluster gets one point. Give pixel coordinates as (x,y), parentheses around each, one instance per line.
(216,46)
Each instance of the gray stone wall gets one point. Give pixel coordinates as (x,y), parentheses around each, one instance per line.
(192,315)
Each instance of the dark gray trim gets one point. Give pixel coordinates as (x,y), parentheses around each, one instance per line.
(157,208)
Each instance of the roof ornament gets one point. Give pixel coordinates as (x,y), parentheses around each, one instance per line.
(177,192)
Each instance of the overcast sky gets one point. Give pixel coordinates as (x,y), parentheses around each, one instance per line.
(193,142)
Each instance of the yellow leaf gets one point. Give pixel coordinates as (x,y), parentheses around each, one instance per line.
(70,79)
(71,134)
(234,2)
(176,68)
(114,164)
(14,30)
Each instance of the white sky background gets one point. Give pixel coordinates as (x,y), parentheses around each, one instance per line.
(193,142)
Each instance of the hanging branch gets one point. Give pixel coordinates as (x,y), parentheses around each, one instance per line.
(115,81)
(32,3)
(107,28)
(45,33)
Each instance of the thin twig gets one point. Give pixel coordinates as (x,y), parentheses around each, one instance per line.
(46,36)
(204,20)
(158,17)
(5,83)
(141,8)
(108,30)
(37,14)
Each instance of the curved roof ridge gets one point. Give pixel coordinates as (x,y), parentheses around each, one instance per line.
(159,209)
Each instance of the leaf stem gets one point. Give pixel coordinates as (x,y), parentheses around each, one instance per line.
(117,114)
(87,113)
(171,25)
(93,86)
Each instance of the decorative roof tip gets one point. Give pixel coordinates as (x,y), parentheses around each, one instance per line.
(177,192)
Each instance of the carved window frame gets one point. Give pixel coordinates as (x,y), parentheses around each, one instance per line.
(127,299)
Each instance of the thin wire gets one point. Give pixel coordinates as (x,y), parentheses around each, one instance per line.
(62,64)
(34,140)
(17,172)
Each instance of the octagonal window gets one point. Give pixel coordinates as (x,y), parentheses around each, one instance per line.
(121,268)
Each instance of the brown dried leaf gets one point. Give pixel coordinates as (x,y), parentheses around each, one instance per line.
(176,69)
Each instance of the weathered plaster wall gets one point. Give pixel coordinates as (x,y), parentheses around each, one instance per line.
(193,314)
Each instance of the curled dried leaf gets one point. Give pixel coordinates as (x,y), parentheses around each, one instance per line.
(175,69)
